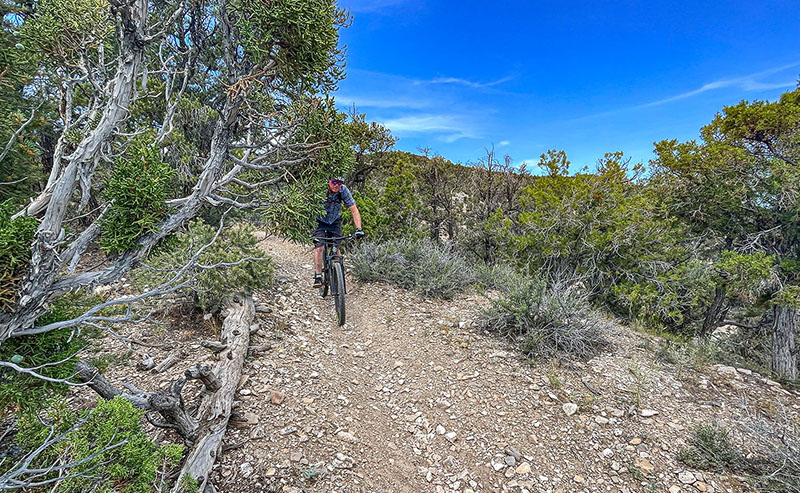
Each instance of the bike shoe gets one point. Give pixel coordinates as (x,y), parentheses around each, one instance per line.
(317,280)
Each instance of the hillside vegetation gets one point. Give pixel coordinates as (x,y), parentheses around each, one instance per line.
(144,148)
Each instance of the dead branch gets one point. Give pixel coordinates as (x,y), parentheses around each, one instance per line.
(205,375)
(166,364)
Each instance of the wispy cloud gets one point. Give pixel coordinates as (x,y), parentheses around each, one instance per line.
(378,102)
(749,82)
(454,127)
(465,82)
(503,143)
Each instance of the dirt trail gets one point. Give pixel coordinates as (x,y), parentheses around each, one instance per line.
(410,397)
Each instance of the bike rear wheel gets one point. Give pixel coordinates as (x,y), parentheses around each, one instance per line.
(338,291)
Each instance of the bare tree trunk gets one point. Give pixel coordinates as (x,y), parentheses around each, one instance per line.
(784,363)
(215,411)
(713,315)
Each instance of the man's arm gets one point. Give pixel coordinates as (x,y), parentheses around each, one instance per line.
(356,215)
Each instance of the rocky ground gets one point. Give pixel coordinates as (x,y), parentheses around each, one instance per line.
(410,397)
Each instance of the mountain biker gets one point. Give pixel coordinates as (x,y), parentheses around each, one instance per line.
(330,222)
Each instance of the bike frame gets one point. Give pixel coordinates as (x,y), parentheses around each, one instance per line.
(332,253)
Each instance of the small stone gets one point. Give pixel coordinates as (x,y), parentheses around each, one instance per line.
(510,460)
(674,489)
(246,469)
(646,413)
(346,436)
(686,477)
(277,397)
(616,466)
(636,441)
(608,453)
(643,465)
(451,437)
(601,420)
(509,473)
(440,430)
(579,479)
(251,418)
(570,408)
(296,456)
(524,468)
(270,472)
(245,392)
(701,486)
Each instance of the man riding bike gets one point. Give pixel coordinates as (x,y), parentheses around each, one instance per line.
(330,223)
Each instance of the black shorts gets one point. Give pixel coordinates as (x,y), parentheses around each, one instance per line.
(327,230)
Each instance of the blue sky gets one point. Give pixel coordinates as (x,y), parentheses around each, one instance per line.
(585,77)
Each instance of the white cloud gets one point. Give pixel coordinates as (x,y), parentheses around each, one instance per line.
(378,102)
(746,83)
(454,126)
(504,143)
(464,82)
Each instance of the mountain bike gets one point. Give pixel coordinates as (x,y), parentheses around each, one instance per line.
(333,273)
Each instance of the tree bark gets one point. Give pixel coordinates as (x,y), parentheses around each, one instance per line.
(714,311)
(784,363)
(215,411)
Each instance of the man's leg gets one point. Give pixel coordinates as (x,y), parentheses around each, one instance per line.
(318,260)
(317,267)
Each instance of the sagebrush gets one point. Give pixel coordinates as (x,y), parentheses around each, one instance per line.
(545,320)
(431,269)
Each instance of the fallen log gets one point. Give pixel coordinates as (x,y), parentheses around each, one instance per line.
(215,410)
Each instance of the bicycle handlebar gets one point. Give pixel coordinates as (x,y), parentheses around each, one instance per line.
(334,238)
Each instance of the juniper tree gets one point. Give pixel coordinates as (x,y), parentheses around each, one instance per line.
(164,108)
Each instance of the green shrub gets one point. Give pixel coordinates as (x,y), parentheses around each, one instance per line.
(771,462)
(710,448)
(131,467)
(26,392)
(15,252)
(545,321)
(210,287)
(693,354)
(501,277)
(139,187)
(431,269)
(675,299)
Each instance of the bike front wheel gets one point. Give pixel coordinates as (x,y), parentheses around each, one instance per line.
(323,291)
(338,290)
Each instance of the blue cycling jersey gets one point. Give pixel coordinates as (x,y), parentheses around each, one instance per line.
(333,205)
